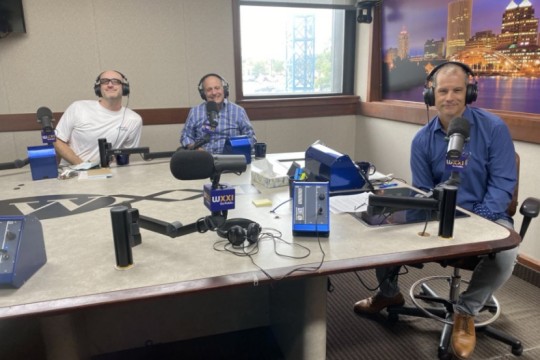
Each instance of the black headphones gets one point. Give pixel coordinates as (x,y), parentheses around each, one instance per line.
(239,230)
(125,85)
(224,83)
(472,88)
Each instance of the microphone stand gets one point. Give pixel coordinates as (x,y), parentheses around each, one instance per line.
(443,200)
(158,155)
(105,152)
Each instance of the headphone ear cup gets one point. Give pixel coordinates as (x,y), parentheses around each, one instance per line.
(429,96)
(472,93)
(236,235)
(97,88)
(125,88)
(225,88)
(253,232)
(239,230)
(201,92)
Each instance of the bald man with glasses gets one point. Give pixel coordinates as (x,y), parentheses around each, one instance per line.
(86,121)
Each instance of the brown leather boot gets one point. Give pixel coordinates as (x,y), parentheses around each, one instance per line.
(375,304)
(463,335)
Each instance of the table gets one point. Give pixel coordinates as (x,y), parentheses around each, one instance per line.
(201,290)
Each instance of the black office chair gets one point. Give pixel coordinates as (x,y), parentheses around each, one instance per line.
(429,304)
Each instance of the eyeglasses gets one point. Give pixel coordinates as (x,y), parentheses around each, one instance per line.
(105,81)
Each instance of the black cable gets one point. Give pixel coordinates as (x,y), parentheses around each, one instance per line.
(122,122)
(276,237)
(277,207)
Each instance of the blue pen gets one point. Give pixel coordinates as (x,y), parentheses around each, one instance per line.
(384,186)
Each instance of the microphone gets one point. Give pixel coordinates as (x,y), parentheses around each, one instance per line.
(212,112)
(45,118)
(17,164)
(195,165)
(458,134)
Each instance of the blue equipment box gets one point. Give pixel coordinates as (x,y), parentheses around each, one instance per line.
(23,249)
(42,162)
(311,209)
(325,164)
(238,145)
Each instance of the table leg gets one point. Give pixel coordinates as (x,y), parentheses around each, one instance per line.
(298,317)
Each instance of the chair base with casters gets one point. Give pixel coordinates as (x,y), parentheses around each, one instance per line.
(429,304)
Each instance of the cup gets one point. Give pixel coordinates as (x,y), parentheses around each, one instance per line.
(260,150)
(366,167)
(122,159)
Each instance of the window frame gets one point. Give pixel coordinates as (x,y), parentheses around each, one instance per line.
(299,105)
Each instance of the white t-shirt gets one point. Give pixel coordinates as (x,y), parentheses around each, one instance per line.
(86,121)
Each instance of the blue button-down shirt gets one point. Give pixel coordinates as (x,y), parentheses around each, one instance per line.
(488,180)
(232,121)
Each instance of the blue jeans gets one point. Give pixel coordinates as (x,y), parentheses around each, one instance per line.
(488,276)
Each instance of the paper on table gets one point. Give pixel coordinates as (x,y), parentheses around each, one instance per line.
(381,177)
(102,173)
(349,203)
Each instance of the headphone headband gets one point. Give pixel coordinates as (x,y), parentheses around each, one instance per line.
(125,84)
(472,88)
(224,83)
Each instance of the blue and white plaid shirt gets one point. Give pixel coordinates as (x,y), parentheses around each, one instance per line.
(232,121)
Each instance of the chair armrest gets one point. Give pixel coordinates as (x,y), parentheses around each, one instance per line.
(529,209)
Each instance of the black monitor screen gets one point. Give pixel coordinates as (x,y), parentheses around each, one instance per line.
(401,216)
(11,17)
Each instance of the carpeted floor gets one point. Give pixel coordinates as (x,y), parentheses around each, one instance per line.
(351,336)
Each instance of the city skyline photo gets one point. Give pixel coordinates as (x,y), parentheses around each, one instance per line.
(497,39)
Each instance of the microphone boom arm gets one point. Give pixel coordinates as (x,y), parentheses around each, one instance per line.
(176,229)
(444,200)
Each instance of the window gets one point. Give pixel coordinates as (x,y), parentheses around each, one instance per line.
(295,49)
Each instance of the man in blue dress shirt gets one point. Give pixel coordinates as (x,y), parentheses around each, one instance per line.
(209,127)
(486,188)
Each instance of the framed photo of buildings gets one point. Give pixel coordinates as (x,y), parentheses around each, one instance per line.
(497,39)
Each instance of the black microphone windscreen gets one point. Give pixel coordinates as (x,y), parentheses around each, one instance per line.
(459,125)
(44,111)
(212,110)
(192,165)
(212,106)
